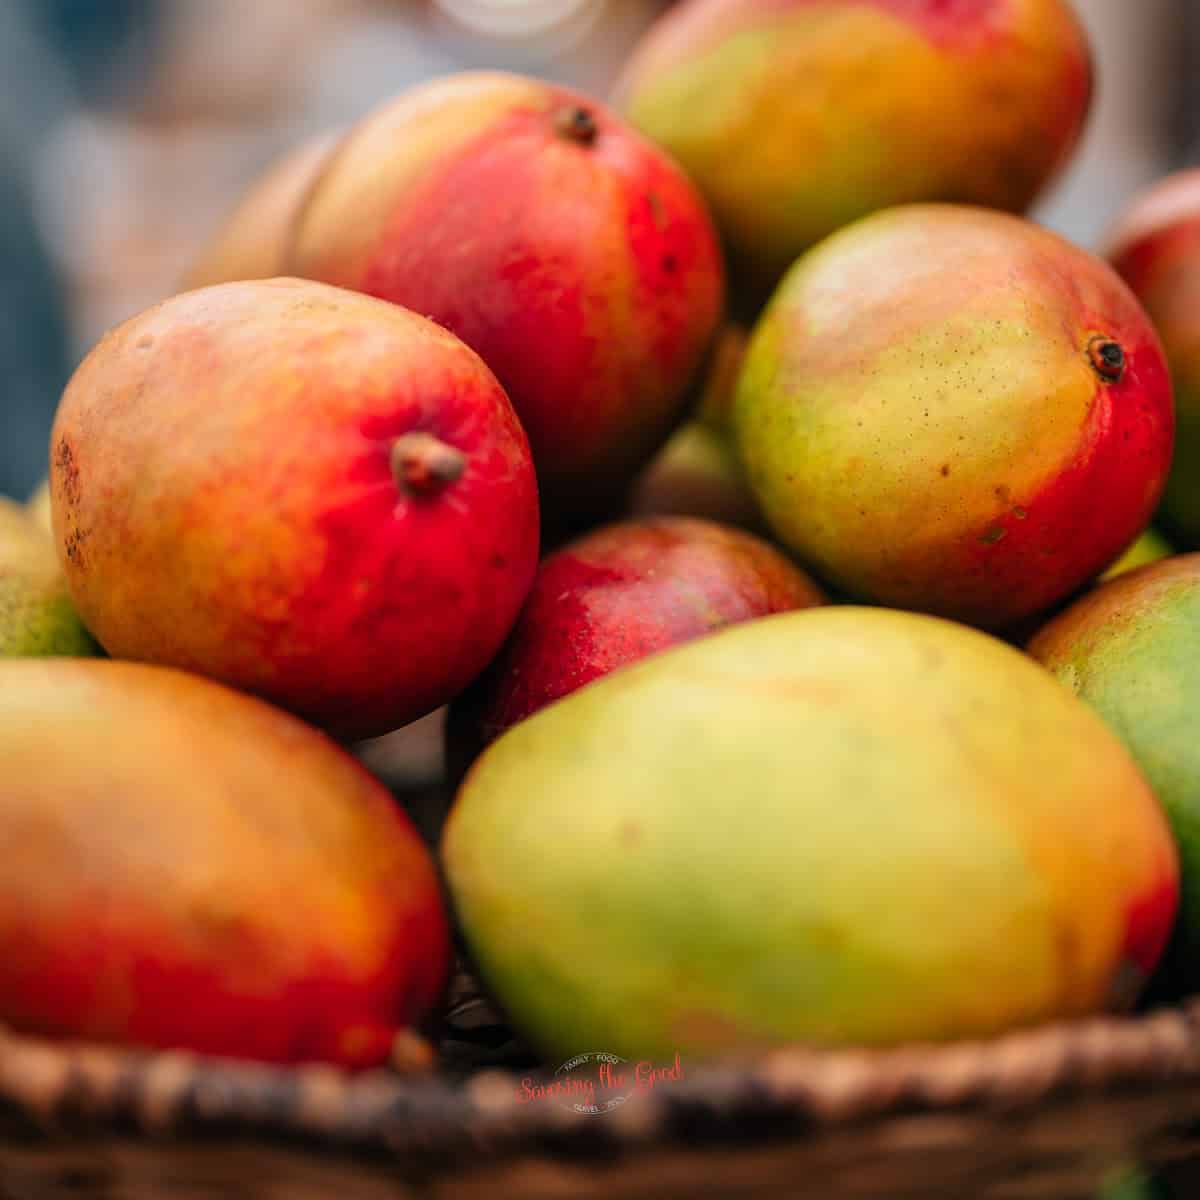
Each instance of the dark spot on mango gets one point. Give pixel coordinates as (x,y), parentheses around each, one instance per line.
(993,535)
(74,544)
(630,834)
(1020,513)
(1107,358)
(669,264)
(68,471)
(945,470)
(577,124)
(499,561)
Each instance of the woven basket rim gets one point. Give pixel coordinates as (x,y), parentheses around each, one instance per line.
(102,1091)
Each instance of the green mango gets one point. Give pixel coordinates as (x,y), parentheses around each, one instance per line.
(36,614)
(1131,649)
(838,826)
(1149,547)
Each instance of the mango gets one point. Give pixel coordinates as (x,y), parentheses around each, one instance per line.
(956,411)
(572,255)
(253,240)
(311,495)
(36,614)
(1155,246)
(714,406)
(1149,547)
(696,474)
(797,117)
(1131,650)
(834,826)
(188,868)
(38,505)
(618,595)
(1131,1183)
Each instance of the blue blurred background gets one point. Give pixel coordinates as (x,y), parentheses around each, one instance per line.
(129,127)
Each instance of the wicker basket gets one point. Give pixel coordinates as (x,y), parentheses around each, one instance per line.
(1048,1113)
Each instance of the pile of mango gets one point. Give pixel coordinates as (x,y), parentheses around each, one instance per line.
(767,496)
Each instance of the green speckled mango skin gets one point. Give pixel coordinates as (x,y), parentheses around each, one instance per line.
(1131,649)
(842,825)
(922,424)
(37,617)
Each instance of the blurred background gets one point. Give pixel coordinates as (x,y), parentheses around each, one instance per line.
(129,128)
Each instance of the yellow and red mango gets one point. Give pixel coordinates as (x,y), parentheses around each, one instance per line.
(186,867)
(839,825)
(617,595)
(309,494)
(797,117)
(953,410)
(1131,649)
(253,240)
(572,255)
(1156,248)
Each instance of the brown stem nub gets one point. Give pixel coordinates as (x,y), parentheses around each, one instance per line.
(423,464)
(412,1054)
(576,123)
(1107,358)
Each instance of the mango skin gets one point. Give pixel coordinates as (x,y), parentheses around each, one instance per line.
(1156,248)
(186,867)
(839,826)
(619,594)
(223,501)
(697,472)
(36,614)
(253,240)
(714,406)
(586,274)
(923,425)
(797,117)
(1149,547)
(1131,649)
(38,505)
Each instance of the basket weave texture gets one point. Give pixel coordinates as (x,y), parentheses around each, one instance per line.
(1047,1112)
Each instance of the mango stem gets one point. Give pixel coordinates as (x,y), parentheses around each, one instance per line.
(423,464)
